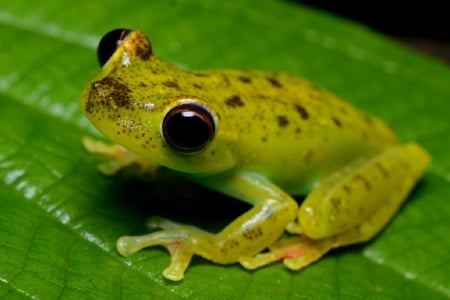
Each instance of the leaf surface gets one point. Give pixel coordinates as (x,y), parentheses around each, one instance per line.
(59,218)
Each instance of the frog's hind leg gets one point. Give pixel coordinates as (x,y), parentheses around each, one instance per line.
(300,251)
(351,206)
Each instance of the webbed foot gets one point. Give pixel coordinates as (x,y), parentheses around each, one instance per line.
(182,242)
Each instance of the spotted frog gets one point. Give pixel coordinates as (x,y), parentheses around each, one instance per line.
(259,137)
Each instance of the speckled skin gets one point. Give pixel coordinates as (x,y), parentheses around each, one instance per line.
(276,135)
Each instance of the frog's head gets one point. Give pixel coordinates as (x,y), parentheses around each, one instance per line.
(142,103)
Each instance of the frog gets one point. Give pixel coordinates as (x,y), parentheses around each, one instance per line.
(261,137)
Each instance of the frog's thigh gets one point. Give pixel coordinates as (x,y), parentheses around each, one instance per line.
(350,196)
(354,204)
(300,251)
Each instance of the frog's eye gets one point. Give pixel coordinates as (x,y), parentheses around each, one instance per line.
(188,127)
(109,43)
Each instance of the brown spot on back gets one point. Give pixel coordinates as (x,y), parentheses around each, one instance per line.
(245,79)
(274,82)
(337,122)
(364,180)
(282,121)
(197,86)
(336,202)
(343,110)
(368,120)
(171,84)
(226,80)
(262,97)
(302,111)
(382,169)
(347,189)
(201,74)
(234,101)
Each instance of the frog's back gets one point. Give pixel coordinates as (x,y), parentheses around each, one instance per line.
(286,124)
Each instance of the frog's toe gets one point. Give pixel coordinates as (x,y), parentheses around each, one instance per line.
(174,274)
(181,255)
(156,222)
(282,249)
(301,261)
(303,252)
(296,253)
(259,260)
(294,228)
(127,246)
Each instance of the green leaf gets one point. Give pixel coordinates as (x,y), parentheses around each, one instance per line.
(60,218)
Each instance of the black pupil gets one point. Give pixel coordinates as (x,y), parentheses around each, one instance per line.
(188,127)
(109,43)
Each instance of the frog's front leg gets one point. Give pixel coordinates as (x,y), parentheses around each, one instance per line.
(120,158)
(350,206)
(248,235)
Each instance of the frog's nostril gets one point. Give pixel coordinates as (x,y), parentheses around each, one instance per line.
(109,43)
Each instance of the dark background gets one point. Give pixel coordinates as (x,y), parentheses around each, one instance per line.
(423,25)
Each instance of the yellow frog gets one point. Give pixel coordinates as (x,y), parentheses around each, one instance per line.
(259,137)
